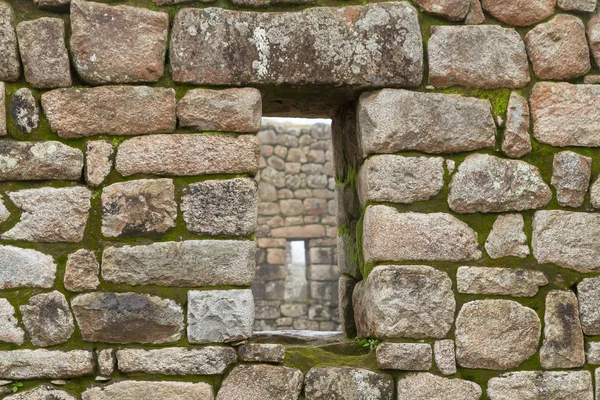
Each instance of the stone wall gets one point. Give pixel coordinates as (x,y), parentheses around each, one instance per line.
(296,191)
(466,140)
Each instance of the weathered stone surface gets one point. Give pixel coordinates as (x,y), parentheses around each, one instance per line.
(10,67)
(44,53)
(400,179)
(24,110)
(398,120)
(347,383)
(496,334)
(475,15)
(558,49)
(261,382)
(44,392)
(517,142)
(117,44)
(499,281)
(487,183)
(408,301)
(563,338)
(566,114)
(445,357)
(593,29)
(593,353)
(139,207)
(539,385)
(50,214)
(221,207)
(3,131)
(404,356)
(363,51)
(519,12)
(48,319)
(81,271)
(435,236)
(10,332)
(25,268)
(588,293)
(98,161)
(56,5)
(186,263)
(567,239)
(163,390)
(263,3)
(4,212)
(454,10)
(577,5)
(106,361)
(110,110)
(425,386)
(258,352)
(188,154)
(229,110)
(507,238)
(595,193)
(571,174)
(220,316)
(127,318)
(176,360)
(45,364)
(39,161)
(346,309)
(454,54)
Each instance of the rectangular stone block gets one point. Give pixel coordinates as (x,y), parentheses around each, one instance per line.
(188,155)
(176,360)
(229,110)
(258,352)
(110,110)
(357,46)
(404,356)
(26,268)
(10,68)
(187,263)
(131,390)
(299,232)
(45,364)
(426,237)
(542,385)
(392,120)
(322,272)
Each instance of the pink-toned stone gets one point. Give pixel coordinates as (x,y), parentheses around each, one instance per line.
(520,12)
(558,49)
(454,10)
(475,15)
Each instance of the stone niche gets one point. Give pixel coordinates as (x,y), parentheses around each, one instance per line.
(296,214)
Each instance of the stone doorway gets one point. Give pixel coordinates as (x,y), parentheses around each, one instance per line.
(296,282)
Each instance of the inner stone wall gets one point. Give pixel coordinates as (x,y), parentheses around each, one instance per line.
(465,155)
(296,191)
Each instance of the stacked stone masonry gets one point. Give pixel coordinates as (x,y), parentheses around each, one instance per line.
(450,214)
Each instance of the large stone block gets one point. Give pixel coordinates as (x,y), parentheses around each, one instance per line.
(398,120)
(50,214)
(10,67)
(176,360)
(220,316)
(347,383)
(143,207)
(408,301)
(565,114)
(186,263)
(487,183)
(221,207)
(110,110)
(496,334)
(261,382)
(429,237)
(541,385)
(44,53)
(179,154)
(567,239)
(117,44)
(356,46)
(141,390)
(26,268)
(499,281)
(39,161)
(45,364)
(425,386)
(229,110)
(127,318)
(398,179)
(482,56)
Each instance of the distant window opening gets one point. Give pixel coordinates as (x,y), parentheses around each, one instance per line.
(296,287)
